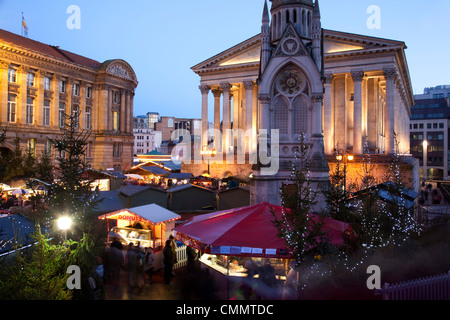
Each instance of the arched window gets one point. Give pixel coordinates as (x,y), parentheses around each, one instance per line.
(281,117)
(300,106)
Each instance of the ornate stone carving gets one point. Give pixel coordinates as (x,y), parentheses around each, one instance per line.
(14,88)
(390,73)
(357,76)
(248,85)
(118,70)
(32,92)
(265,98)
(204,89)
(225,86)
(217,93)
(328,78)
(317,98)
(291,82)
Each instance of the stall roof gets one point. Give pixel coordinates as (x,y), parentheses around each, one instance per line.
(179,175)
(242,229)
(152,213)
(155,170)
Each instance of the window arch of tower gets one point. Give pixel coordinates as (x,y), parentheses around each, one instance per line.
(291,102)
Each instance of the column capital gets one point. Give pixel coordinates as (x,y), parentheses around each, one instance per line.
(225,86)
(264,98)
(248,84)
(357,76)
(328,78)
(317,97)
(390,73)
(204,89)
(217,92)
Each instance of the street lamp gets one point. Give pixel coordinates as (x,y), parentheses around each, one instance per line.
(344,157)
(64,224)
(209,153)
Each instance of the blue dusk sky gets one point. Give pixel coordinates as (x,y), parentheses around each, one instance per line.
(162,40)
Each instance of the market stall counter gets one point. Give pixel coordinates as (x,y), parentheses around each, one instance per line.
(146,226)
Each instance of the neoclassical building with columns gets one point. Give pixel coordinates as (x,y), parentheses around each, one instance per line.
(344,93)
(40,85)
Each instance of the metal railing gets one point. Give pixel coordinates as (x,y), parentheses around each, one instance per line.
(429,288)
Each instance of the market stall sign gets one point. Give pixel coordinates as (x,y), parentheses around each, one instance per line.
(125,215)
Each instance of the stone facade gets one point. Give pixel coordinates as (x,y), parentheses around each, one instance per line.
(41,84)
(341,92)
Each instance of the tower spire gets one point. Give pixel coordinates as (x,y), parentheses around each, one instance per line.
(265,34)
(317,36)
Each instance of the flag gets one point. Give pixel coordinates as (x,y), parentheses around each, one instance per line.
(24,27)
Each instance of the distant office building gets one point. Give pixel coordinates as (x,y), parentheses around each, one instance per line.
(430,131)
(167,125)
(152,118)
(140,122)
(146,140)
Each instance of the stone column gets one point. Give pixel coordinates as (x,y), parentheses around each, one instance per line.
(123,108)
(21,104)
(265,112)
(3,92)
(357,112)
(226,126)
(236,102)
(390,75)
(248,85)
(205,91)
(217,95)
(328,115)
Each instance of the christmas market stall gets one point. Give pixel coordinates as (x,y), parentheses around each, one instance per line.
(243,243)
(146,226)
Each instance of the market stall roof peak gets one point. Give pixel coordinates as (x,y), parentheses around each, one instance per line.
(152,213)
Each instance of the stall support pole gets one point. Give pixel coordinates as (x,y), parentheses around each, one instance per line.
(228,278)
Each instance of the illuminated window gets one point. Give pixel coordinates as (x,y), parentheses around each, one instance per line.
(116,121)
(32,147)
(30,79)
(62,114)
(88,118)
(62,86)
(89,92)
(47,83)
(76,89)
(12,75)
(11,108)
(46,112)
(30,110)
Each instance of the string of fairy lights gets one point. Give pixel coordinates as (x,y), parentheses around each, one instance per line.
(386,224)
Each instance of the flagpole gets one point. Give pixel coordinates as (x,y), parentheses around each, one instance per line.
(22,24)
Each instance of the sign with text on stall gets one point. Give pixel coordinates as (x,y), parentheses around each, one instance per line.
(125,215)
(227,250)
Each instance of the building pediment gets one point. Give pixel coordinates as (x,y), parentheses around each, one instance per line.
(244,55)
(247,54)
(340,43)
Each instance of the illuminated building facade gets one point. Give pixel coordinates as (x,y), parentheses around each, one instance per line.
(41,84)
(341,91)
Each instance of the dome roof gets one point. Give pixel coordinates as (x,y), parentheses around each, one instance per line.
(279,3)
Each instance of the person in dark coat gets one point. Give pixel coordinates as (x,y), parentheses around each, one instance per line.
(169,260)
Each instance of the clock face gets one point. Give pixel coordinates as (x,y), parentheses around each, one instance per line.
(291,82)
